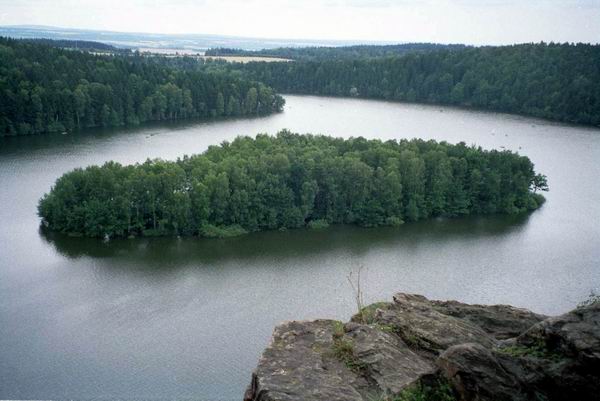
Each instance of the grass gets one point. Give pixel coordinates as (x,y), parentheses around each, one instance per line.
(338,330)
(367,314)
(439,390)
(388,328)
(537,350)
(343,349)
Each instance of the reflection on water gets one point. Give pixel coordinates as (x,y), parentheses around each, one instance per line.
(284,244)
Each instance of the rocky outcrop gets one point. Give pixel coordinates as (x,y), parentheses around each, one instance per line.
(499,321)
(472,352)
(476,374)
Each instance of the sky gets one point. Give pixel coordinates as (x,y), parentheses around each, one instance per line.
(443,21)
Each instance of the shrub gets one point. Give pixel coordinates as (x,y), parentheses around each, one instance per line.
(318,224)
(212,231)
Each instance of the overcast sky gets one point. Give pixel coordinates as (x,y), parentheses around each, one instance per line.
(444,21)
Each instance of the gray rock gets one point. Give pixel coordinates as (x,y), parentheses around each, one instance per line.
(476,374)
(500,321)
(487,353)
(567,355)
(299,365)
(575,334)
(557,359)
(387,361)
(427,330)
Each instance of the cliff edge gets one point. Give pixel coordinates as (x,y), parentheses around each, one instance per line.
(417,349)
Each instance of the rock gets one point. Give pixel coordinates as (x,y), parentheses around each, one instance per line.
(575,334)
(427,330)
(557,359)
(485,353)
(387,361)
(567,352)
(499,321)
(299,365)
(476,374)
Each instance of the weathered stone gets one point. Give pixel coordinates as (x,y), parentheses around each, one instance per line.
(425,329)
(556,360)
(298,365)
(476,374)
(387,361)
(566,350)
(575,334)
(415,340)
(499,321)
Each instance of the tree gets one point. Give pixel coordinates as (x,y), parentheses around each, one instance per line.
(251,103)
(539,183)
(220,104)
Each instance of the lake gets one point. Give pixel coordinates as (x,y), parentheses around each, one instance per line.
(188,318)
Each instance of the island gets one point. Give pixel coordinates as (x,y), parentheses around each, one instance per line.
(291,181)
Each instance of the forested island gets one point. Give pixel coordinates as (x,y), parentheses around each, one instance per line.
(48,89)
(291,181)
(554,81)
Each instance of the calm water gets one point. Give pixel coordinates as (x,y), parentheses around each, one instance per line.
(188,318)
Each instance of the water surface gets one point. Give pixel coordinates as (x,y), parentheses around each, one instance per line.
(188,318)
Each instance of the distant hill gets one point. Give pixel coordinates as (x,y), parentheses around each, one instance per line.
(196,42)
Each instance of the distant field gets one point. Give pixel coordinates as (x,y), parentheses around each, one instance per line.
(170,52)
(246,59)
(200,54)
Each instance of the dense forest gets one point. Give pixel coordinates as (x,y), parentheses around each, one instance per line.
(47,89)
(291,181)
(315,53)
(78,44)
(554,81)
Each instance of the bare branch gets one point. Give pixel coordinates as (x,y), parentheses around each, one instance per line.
(356,289)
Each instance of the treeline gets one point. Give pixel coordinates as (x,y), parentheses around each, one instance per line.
(290,181)
(323,53)
(77,44)
(48,89)
(554,81)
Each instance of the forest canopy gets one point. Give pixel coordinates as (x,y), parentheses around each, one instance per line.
(290,181)
(554,81)
(48,89)
(322,53)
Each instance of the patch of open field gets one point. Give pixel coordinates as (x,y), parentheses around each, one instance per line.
(247,59)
